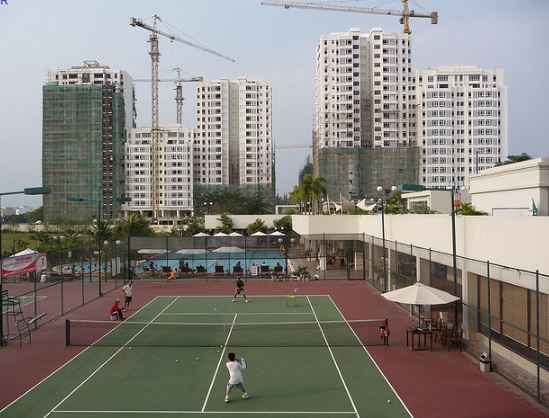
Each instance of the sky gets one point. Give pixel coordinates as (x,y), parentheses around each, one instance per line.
(268,43)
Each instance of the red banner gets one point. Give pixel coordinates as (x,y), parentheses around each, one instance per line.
(30,263)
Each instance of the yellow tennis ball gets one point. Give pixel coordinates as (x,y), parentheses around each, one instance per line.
(388,401)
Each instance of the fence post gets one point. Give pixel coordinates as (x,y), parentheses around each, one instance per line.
(489,313)
(35,299)
(129,260)
(538,375)
(364,256)
(167,256)
(62,280)
(82,271)
(325,263)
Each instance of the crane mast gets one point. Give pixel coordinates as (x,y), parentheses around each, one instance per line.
(179,96)
(155,143)
(405,13)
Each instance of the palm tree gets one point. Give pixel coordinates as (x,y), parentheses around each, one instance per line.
(257,226)
(318,191)
(134,225)
(297,195)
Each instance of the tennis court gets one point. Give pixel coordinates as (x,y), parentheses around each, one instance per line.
(167,359)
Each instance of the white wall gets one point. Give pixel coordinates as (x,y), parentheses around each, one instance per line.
(512,186)
(520,241)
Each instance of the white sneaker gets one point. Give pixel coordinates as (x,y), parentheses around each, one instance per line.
(245,396)
(234,300)
(247,300)
(226,399)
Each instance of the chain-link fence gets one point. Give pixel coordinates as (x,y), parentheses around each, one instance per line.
(74,277)
(504,311)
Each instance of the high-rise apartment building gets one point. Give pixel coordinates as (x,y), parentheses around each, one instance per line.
(234,144)
(461,122)
(364,100)
(176,175)
(86,110)
(362,90)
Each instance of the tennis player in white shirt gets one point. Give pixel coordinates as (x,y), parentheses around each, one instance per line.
(236,381)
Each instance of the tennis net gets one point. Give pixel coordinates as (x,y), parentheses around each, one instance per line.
(202,334)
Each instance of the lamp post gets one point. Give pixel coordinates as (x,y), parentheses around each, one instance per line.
(380,190)
(28,191)
(454,255)
(207,207)
(117,263)
(454,246)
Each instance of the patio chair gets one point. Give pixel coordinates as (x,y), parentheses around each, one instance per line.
(219,270)
(200,270)
(237,270)
(265,270)
(456,338)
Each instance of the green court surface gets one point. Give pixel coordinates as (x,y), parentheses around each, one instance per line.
(169,359)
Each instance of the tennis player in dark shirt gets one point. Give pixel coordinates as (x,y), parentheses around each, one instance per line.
(239,290)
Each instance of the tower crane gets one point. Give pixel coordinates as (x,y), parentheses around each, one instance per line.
(405,14)
(178,89)
(155,57)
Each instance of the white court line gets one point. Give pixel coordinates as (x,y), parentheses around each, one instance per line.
(333,359)
(240,313)
(231,296)
(71,360)
(219,363)
(207,412)
(109,359)
(373,361)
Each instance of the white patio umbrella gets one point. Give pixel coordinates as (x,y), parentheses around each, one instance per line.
(277,234)
(420,294)
(228,250)
(258,234)
(150,251)
(190,251)
(201,234)
(220,234)
(235,234)
(28,251)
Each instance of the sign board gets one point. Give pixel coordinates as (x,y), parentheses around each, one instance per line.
(23,264)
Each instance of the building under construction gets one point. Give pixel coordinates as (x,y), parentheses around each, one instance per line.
(355,173)
(86,110)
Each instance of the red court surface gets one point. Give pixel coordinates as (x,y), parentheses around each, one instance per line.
(433,384)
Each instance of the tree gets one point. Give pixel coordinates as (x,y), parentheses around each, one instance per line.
(283,224)
(358,211)
(195,226)
(233,201)
(396,204)
(134,225)
(307,169)
(511,159)
(310,191)
(297,196)
(468,209)
(257,226)
(425,210)
(226,223)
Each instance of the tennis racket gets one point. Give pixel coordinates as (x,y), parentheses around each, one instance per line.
(243,363)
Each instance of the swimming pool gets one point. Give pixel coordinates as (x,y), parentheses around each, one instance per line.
(193,258)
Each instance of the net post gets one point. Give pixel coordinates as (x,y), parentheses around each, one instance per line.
(67,332)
